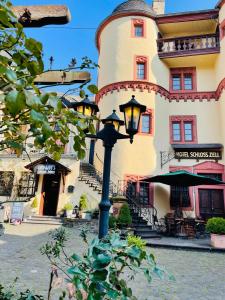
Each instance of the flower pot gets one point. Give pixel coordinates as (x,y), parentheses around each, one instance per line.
(86,216)
(69,213)
(218,241)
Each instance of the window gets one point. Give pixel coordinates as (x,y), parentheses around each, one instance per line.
(183,80)
(144,193)
(28,184)
(177,131)
(6,183)
(188,130)
(183,129)
(146,123)
(176,82)
(141,68)
(179,197)
(138,28)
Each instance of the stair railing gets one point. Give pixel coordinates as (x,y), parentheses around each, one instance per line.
(146,211)
(126,189)
(90,170)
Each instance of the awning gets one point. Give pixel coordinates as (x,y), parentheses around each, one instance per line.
(183,178)
(47,161)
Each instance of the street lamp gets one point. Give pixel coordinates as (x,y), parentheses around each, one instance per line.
(109,135)
(86,107)
(113,119)
(132,112)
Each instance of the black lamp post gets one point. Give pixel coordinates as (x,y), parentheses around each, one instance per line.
(109,135)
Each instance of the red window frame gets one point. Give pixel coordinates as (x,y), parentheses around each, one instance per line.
(182,120)
(141,60)
(149,112)
(182,71)
(135,23)
(136,179)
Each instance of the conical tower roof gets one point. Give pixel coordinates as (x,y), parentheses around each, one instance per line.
(135,6)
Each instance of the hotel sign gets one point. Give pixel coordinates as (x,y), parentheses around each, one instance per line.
(45,169)
(198,154)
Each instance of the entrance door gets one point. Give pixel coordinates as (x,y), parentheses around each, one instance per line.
(51,184)
(211,203)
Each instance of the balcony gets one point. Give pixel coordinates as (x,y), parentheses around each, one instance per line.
(188,46)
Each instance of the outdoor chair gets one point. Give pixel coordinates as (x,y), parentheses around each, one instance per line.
(189,227)
(170,224)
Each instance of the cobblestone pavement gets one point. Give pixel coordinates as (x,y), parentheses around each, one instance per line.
(199,275)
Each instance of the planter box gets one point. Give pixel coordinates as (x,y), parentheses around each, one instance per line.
(69,213)
(218,241)
(86,216)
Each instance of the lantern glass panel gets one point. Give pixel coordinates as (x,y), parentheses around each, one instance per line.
(132,124)
(115,123)
(80,109)
(88,111)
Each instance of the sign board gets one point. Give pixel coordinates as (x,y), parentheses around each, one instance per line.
(199,154)
(45,169)
(17,211)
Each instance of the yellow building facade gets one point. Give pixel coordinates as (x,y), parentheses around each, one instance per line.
(175,65)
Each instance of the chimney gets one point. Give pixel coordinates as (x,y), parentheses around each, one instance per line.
(159,7)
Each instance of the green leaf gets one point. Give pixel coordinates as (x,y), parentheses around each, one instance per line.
(34,68)
(99,275)
(134,252)
(104,259)
(54,102)
(33,46)
(76,257)
(82,94)
(93,89)
(15,102)
(77,271)
(32,100)
(37,117)
(11,75)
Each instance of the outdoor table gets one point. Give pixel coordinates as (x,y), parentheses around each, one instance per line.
(180,227)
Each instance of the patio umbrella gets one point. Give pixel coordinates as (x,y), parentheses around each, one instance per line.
(183,179)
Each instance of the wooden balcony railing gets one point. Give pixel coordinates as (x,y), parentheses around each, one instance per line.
(186,46)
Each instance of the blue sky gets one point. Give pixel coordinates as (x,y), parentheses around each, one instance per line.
(63,43)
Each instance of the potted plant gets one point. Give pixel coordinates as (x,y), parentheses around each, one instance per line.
(216,227)
(34,205)
(124,219)
(83,205)
(68,208)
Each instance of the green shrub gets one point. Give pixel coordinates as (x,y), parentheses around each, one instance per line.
(124,218)
(34,203)
(136,241)
(68,206)
(216,225)
(112,222)
(83,204)
(100,272)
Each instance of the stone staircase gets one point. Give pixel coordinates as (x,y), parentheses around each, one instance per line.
(143,218)
(43,220)
(141,227)
(91,177)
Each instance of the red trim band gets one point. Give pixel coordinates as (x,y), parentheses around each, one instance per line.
(142,85)
(187,17)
